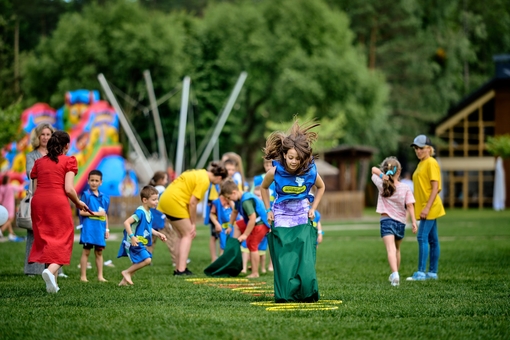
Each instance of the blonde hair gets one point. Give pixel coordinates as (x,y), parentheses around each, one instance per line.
(390,167)
(432,150)
(238,162)
(36,133)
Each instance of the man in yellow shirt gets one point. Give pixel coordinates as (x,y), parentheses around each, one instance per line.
(428,207)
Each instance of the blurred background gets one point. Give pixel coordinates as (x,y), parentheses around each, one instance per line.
(375,73)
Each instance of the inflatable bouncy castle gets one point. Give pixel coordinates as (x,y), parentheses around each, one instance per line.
(93,126)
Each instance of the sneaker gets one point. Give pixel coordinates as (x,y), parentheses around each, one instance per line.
(15,238)
(417,276)
(185,272)
(49,278)
(63,275)
(395,279)
(431,276)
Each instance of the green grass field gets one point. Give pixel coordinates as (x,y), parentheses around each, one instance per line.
(471,299)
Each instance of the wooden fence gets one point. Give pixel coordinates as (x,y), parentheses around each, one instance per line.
(342,205)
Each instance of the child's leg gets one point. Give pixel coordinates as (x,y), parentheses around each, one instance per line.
(255,258)
(397,246)
(245,256)
(99,264)
(126,274)
(270,265)
(389,242)
(83,264)
(212,248)
(263,263)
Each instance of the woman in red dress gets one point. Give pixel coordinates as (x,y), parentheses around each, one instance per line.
(52,219)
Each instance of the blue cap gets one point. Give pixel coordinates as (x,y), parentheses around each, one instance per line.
(421,141)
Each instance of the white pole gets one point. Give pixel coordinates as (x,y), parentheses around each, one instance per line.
(223,119)
(157,121)
(179,160)
(125,125)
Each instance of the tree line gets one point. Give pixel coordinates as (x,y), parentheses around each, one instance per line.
(374,72)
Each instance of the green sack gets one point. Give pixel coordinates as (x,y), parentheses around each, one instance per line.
(293,251)
(230,263)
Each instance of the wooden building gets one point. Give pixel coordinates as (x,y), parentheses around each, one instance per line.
(345,189)
(468,169)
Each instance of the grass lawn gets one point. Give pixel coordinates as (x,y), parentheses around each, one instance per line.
(470,300)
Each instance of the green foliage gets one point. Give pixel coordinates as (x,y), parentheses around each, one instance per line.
(499,146)
(119,39)
(470,299)
(9,121)
(298,55)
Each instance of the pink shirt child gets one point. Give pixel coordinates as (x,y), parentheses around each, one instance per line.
(395,205)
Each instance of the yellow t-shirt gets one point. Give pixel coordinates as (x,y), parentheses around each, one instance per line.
(174,201)
(427,171)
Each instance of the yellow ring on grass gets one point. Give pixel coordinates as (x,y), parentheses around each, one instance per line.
(298,308)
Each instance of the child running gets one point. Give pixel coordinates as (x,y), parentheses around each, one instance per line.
(292,241)
(255,225)
(393,199)
(135,241)
(94,231)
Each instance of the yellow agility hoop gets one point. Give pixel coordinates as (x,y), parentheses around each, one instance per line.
(298,308)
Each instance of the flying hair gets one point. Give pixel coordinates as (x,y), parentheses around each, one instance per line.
(298,137)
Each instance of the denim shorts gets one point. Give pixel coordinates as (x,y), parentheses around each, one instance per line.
(391,227)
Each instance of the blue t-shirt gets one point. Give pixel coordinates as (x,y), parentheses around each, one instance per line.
(293,187)
(94,227)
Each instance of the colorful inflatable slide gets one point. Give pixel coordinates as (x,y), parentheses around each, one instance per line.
(93,126)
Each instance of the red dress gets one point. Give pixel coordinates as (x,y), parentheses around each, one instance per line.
(52,218)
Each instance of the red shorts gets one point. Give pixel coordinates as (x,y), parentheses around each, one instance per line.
(257,234)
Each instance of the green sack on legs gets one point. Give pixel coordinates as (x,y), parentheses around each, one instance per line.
(230,263)
(293,251)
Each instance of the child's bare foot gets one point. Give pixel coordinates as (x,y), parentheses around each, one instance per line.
(123,282)
(263,270)
(252,276)
(270,269)
(102,279)
(127,277)
(83,279)
(243,271)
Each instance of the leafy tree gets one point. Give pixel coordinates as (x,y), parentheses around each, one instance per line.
(9,120)
(298,55)
(119,39)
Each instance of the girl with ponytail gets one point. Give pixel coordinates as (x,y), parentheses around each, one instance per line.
(393,199)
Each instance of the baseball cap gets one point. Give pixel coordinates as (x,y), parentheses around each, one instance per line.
(421,141)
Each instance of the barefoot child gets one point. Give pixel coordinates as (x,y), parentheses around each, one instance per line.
(94,231)
(255,225)
(138,234)
(393,199)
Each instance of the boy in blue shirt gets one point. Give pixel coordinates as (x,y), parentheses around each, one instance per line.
(138,234)
(94,231)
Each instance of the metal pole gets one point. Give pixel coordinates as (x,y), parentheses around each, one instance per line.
(223,119)
(125,125)
(157,120)
(179,160)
